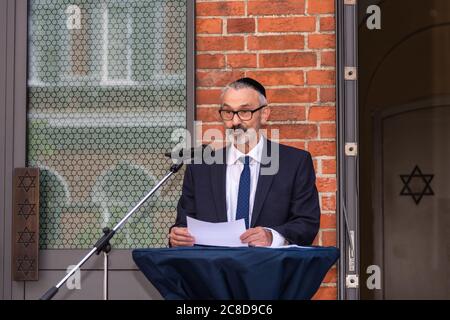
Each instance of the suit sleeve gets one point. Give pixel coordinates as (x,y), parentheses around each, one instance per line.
(186,203)
(304,218)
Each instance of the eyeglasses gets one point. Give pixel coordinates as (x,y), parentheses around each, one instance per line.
(244,115)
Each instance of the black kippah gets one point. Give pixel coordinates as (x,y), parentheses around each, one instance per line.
(254,84)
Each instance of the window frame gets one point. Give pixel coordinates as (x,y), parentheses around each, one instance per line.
(347,199)
(13,121)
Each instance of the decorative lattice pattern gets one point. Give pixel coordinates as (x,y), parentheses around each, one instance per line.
(106,88)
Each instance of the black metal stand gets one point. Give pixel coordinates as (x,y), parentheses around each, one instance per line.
(103,245)
(106,251)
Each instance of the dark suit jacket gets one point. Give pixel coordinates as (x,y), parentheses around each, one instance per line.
(286,202)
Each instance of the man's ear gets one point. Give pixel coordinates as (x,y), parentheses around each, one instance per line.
(265,115)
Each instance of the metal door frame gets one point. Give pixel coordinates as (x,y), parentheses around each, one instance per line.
(13,69)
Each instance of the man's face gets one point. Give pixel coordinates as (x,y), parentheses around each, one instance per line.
(244,99)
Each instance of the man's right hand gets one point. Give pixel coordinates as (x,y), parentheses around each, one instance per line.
(180,237)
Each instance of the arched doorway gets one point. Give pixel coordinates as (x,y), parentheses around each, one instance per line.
(404,111)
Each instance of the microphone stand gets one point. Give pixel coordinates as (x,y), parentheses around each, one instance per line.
(103,245)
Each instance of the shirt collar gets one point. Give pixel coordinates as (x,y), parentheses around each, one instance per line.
(255,154)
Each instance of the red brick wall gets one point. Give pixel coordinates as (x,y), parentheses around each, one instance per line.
(289,46)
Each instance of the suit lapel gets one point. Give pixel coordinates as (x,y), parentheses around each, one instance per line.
(218,180)
(264,183)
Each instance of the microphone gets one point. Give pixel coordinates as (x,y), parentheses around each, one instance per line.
(185,154)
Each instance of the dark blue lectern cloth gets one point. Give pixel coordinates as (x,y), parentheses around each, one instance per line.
(255,273)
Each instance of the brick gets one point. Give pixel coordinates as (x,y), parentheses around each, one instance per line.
(205,126)
(241,60)
(331,276)
(327,94)
(328,221)
(280,113)
(211,43)
(321,41)
(295,131)
(208,96)
(208,26)
(210,61)
(327,24)
(328,58)
(316,165)
(276,7)
(322,148)
(320,6)
(241,25)
(294,24)
(326,184)
(322,113)
(217,78)
(320,77)
(327,130)
(295,144)
(325,293)
(328,238)
(328,166)
(209,114)
(316,241)
(277,78)
(235,8)
(329,204)
(279,42)
(292,95)
(290,59)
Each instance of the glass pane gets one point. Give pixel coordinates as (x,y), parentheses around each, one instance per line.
(106,89)
(404,116)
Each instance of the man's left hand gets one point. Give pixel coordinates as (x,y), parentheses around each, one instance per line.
(257,237)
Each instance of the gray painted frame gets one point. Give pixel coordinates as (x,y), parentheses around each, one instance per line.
(3,64)
(347,131)
(13,61)
(13,115)
(190,69)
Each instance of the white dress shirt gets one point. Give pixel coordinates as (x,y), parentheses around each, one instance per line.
(235,166)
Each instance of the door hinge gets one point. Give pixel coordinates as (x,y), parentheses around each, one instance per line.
(350,73)
(351,149)
(352,281)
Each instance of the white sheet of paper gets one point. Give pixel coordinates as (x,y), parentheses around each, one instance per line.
(223,234)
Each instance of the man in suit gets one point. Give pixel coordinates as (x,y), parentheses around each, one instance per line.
(279,208)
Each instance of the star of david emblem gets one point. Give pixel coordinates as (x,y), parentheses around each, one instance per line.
(27,182)
(26,209)
(416,185)
(26,237)
(25,264)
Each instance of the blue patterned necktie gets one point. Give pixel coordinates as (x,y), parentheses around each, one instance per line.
(243,201)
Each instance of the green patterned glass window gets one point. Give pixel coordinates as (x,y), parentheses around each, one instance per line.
(106,89)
